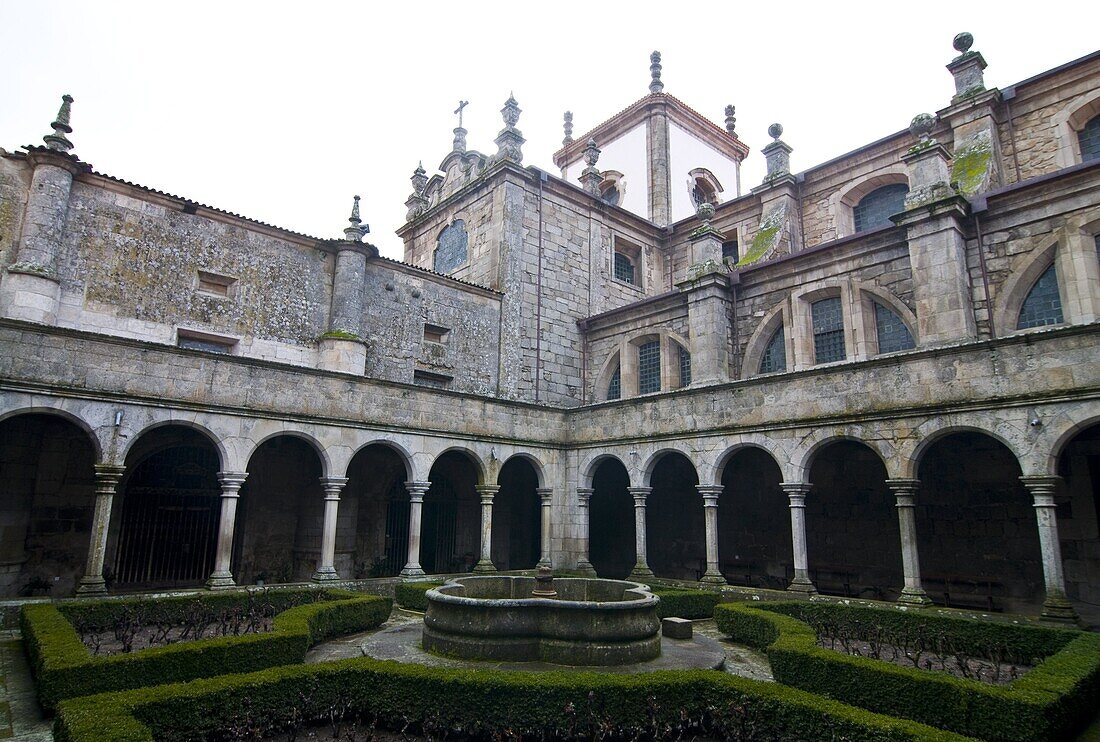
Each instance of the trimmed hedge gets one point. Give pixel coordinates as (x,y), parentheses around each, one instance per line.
(63,667)
(411,595)
(1052,701)
(480,702)
(684,602)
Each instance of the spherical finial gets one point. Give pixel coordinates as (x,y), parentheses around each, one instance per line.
(705,211)
(775,131)
(922,125)
(962,42)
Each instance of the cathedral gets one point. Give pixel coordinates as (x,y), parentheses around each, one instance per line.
(875,378)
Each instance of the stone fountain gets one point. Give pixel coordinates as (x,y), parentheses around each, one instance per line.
(566,621)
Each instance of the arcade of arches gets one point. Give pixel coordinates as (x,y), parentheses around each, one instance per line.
(968,531)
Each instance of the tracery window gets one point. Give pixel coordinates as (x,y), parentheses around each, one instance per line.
(450,250)
(892,333)
(685,366)
(876,208)
(1043,305)
(828,324)
(1089,139)
(649,367)
(775,355)
(615,386)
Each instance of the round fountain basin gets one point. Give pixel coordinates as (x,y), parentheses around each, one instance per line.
(591,622)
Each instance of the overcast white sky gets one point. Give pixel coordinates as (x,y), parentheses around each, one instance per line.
(281,111)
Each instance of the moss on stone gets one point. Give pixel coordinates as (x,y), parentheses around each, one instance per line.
(970,166)
(340,335)
(761,243)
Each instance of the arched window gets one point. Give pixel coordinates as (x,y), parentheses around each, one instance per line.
(892,333)
(828,324)
(1089,139)
(615,386)
(704,187)
(775,354)
(685,366)
(1043,305)
(612,187)
(450,251)
(876,208)
(649,367)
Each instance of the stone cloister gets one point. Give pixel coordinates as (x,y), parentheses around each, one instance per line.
(958,507)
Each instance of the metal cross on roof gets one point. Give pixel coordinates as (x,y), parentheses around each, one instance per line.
(461,104)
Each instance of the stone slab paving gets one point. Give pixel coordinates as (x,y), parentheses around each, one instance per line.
(399,639)
(20,717)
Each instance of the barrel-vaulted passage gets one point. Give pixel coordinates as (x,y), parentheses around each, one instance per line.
(591,622)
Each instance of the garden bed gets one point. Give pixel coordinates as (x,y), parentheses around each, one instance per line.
(1051,701)
(64,667)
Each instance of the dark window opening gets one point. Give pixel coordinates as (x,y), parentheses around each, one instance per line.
(730,251)
(685,366)
(1043,305)
(828,322)
(775,355)
(876,208)
(649,367)
(1089,139)
(615,386)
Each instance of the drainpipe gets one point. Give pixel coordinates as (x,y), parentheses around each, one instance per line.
(1007,95)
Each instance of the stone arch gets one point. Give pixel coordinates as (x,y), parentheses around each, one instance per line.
(869,293)
(224,459)
(1065,435)
(801,466)
(318,447)
(761,444)
(402,452)
(476,460)
(1071,119)
(372,534)
(588,469)
(1028,269)
(754,527)
(911,461)
(844,200)
(76,420)
(777,317)
(611,538)
(655,458)
(607,371)
(517,514)
(540,470)
(675,529)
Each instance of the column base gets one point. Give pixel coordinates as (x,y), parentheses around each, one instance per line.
(90,587)
(544,563)
(585,568)
(914,596)
(411,571)
(484,566)
(713,577)
(641,571)
(802,585)
(220,581)
(1060,611)
(325,574)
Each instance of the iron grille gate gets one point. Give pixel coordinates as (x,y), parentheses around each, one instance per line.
(440,525)
(397,530)
(168,536)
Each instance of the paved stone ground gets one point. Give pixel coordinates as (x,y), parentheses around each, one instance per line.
(398,639)
(20,717)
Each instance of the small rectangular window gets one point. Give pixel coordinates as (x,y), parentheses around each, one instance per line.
(685,366)
(430,378)
(730,251)
(649,367)
(624,268)
(215,284)
(828,322)
(626,262)
(204,341)
(436,333)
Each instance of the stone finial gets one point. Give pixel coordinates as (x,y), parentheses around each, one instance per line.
(921,127)
(568,126)
(57,141)
(591,177)
(778,154)
(962,42)
(419,179)
(510,141)
(967,68)
(705,212)
(731,120)
(655,85)
(511,111)
(356,229)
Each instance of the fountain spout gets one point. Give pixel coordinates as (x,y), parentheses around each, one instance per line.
(544,584)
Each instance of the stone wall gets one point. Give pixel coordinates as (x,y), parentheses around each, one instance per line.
(15,180)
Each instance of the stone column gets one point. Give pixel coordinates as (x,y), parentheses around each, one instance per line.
(326,567)
(641,567)
(796,493)
(1056,607)
(231,482)
(487,492)
(905,493)
(710,493)
(416,490)
(106,482)
(584,496)
(545,494)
